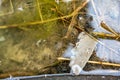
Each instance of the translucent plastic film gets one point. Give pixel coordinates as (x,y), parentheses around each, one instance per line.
(106,12)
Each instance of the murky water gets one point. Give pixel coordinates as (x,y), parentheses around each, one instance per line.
(25,45)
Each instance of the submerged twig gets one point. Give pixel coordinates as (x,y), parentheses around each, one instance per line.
(73,22)
(70,27)
(105,35)
(106,27)
(39,10)
(34,23)
(94,62)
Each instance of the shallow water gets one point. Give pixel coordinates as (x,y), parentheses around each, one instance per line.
(108,12)
(26,47)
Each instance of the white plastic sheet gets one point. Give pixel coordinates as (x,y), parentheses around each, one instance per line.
(109,12)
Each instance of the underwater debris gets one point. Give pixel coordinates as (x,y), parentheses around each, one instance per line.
(81,52)
(93,62)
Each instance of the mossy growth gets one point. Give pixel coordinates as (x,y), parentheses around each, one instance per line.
(30,11)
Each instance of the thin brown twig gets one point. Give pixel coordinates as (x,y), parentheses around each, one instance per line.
(73,21)
(80,7)
(106,27)
(105,35)
(70,27)
(33,23)
(94,62)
